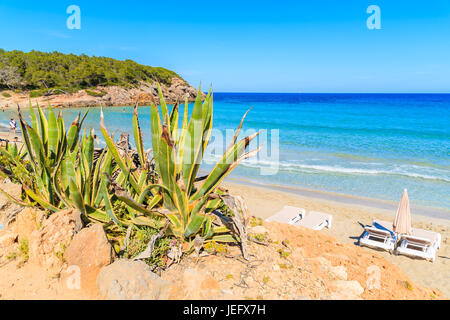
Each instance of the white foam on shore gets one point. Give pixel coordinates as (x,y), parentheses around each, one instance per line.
(400,170)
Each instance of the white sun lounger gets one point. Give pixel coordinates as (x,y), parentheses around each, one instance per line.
(315,220)
(379,236)
(288,214)
(421,243)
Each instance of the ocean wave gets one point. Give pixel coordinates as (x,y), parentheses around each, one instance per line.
(298,167)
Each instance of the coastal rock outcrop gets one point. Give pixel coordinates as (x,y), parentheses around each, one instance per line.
(347,290)
(47,245)
(338,272)
(200,285)
(131,280)
(28,221)
(146,92)
(89,250)
(7,238)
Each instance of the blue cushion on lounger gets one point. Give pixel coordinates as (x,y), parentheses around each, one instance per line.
(379,226)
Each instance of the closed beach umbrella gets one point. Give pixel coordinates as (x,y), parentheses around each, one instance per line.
(402,221)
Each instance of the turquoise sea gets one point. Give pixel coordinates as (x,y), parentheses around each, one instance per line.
(369,145)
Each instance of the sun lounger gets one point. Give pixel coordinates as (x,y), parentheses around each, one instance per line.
(288,215)
(315,220)
(421,243)
(379,236)
(431,235)
(380,224)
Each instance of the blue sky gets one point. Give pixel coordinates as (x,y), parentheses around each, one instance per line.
(252,46)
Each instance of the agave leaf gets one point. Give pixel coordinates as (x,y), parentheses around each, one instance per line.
(41,201)
(11,158)
(162,102)
(156,199)
(192,144)
(84,117)
(174,122)
(96,179)
(224,238)
(72,134)
(206,134)
(182,135)
(13,199)
(220,230)
(134,205)
(220,171)
(43,176)
(138,138)
(97,215)
(61,136)
(115,153)
(108,206)
(147,190)
(88,150)
(238,130)
(194,225)
(52,136)
(43,127)
(167,165)
(37,146)
(176,225)
(212,205)
(156,131)
(181,202)
(34,121)
(207,227)
(145,221)
(76,197)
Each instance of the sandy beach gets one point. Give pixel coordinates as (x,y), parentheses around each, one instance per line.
(348,222)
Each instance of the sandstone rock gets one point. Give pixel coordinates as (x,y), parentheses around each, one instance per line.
(90,251)
(12,189)
(47,245)
(346,289)
(7,238)
(258,230)
(200,285)
(28,221)
(338,272)
(115,95)
(131,280)
(9,209)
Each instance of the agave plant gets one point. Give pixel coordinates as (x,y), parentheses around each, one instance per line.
(177,155)
(46,143)
(12,163)
(59,169)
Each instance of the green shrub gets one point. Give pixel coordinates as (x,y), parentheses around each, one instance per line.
(6,95)
(139,242)
(42,70)
(23,249)
(95,93)
(37,93)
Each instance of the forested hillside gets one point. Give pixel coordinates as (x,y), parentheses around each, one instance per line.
(42,71)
